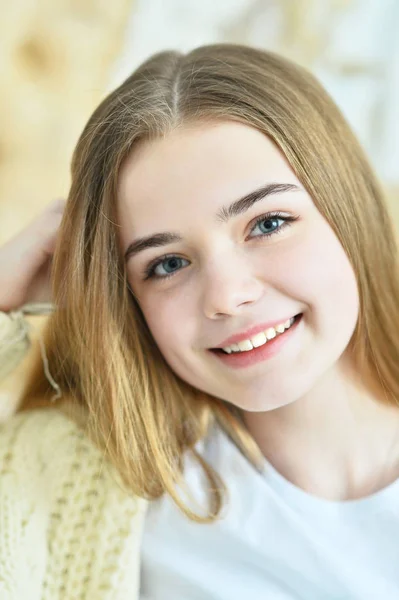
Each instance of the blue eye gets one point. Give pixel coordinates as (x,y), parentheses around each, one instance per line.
(268,222)
(170,264)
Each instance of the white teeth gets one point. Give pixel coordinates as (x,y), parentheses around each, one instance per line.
(260,338)
(270,333)
(245,345)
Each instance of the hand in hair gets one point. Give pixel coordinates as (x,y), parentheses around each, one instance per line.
(26,259)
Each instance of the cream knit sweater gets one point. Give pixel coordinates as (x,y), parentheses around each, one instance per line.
(68,530)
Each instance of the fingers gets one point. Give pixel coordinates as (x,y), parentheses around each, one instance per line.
(57,205)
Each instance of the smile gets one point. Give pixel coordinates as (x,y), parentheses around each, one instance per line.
(251,354)
(260,338)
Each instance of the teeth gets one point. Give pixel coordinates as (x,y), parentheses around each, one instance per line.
(260,338)
(245,345)
(270,333)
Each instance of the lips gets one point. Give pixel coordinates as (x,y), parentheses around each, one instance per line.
(242,360)
(250,333)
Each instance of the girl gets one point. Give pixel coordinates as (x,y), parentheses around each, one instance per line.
(216,412)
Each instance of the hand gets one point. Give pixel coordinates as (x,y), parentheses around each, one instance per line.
(26,259)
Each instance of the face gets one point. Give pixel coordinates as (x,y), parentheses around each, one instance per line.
(217,272)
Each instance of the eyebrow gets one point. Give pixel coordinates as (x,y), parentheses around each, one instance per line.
(222,216)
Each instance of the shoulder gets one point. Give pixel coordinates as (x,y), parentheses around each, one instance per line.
(32,441)
(47,446)
(47,456)
(25,438)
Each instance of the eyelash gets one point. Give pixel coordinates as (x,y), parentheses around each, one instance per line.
(149,272)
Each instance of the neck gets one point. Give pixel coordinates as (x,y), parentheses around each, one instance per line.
(338,441)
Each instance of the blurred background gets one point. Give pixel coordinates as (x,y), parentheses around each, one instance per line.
(59,58)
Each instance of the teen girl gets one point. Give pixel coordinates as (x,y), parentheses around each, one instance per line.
(214,413)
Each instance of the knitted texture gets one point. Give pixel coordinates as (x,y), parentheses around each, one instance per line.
(14,342)
(68,528)
(14,335)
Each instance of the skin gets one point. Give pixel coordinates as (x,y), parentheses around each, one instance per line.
(26,259)
(304,407)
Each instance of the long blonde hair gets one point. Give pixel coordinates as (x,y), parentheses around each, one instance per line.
(100,349)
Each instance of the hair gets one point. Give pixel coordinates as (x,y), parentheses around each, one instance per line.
(99,347)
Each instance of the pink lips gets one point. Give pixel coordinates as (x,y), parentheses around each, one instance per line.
(240,360)
(245,335)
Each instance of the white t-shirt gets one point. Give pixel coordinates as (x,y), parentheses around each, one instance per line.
(274,542)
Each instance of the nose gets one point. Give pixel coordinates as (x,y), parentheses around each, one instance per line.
(228,287)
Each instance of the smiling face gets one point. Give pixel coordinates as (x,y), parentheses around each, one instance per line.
(223,272)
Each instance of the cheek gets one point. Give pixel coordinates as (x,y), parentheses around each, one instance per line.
(168,322)
(324,275)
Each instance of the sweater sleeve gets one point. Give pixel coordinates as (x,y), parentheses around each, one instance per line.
(14,342)
(14,334)
(68,528)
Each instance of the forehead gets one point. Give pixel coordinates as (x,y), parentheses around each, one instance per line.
(198,167)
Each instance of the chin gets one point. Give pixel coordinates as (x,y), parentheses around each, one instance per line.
(260,405)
